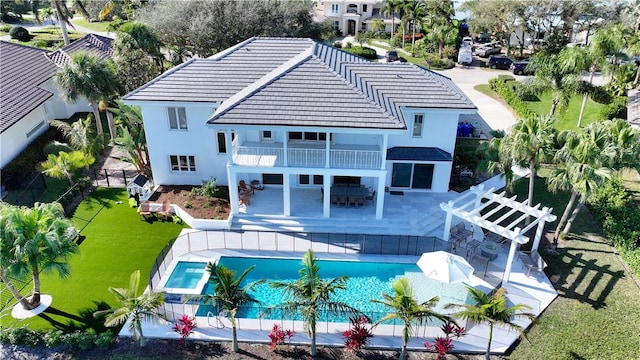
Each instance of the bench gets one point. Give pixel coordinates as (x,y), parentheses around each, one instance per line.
(532,262)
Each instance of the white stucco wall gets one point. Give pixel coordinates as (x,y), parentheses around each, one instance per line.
(14,139)
(198,140)
(58,107)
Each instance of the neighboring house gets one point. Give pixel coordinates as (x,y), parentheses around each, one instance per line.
(352,16)
(29,97)
(633,108)
(297,113)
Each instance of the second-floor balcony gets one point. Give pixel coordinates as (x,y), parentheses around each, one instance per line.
(308,155)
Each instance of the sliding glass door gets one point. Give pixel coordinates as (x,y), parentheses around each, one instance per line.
(413,176)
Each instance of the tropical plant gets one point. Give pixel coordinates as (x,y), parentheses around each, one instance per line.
(64,18)
(358,334)
(377,24)
(492,309)
(531,141)
(136,35)
(65,164)
(89,77)
(229,294)
(442,345)
(34,241)
(389,9)
(278,336)
(134,306)
(405,307)
(132,137)
(415,12)
(311,296)
(79,134)
(184,327)
(491,161)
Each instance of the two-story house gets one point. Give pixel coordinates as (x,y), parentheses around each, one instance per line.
(349,17)
(295,114)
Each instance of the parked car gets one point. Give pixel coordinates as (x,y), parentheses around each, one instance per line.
(464,56)
(520,68)
(483,38)
(499,62)
(467,41)
(391,56)
(488,50)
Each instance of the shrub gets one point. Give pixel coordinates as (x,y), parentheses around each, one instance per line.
(5,28)
(188,205)
(53,338)
(24,336)
(358,334)
(209,189)
(337,44)
(184,327)
(433,61)
(442,345)
(365,52)
(619,215)
(80,340)
(104,340)
(19,33)
(279,336)
(616,109)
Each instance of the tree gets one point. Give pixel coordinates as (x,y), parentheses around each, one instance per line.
(377,24)
(64,18)
(585,162)
(229,294)
(65,164)
(134,36)
(506,15)
(530,141)
(311,296)
(406,308)
(89,77)
(132,136)
(492,310)
(133,306)
(79,134)
(389,9)
(34,241)
(490,159)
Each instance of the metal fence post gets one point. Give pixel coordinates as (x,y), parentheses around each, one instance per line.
(124,176)
(106,175)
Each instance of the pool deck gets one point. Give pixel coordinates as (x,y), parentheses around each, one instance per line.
(534,290)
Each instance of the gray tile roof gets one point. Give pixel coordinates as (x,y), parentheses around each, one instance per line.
(285,81)
(97,45)
(418,153)
(22,69)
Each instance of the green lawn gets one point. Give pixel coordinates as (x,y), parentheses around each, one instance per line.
(568,118)
(117,243)
(95,26)
(597,313)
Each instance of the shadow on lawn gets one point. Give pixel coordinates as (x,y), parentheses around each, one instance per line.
(583,279)
(82,321)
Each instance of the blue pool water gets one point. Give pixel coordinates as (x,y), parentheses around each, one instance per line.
(186,275)
(367,280)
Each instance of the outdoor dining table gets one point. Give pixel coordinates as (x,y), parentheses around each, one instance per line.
(489,249)
(349,191)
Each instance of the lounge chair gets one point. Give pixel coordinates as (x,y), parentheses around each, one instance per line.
(166,210)
(145,210)
(248,189)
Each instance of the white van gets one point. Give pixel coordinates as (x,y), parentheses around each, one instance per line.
(467,41)
(464,56)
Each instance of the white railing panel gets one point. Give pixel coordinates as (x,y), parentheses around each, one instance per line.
(302,157)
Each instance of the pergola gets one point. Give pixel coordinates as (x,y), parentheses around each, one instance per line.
(469,208)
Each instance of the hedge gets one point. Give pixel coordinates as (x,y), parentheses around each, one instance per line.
(365,52)
(512,93)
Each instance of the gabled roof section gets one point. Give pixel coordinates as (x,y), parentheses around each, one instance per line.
(216,78)
(97,45)
(22,69)
(311,94)
(409,85)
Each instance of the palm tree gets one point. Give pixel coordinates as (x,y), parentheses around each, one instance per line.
(554,73)
(492,310)
(377,24)
(441,34)
(34,241)
(530,141)
(65,164)
(490,159)
(134,306)
(407,309)
(79,134)
(310,296)
(415,11)
(135,35)
(87,76)
(389,9)
(132,135)
(229,294)
(586,161)
(64,16)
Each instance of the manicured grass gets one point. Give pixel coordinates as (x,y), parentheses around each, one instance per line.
(117,242)
(95,26)
(597,312)
(568,118)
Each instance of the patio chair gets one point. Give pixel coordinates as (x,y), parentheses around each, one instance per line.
(145,210)
(246,188)
(166,210)
(343,199)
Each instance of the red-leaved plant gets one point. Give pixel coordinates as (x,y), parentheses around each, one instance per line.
(358,334)
(184,327)
(442,345)
(279,336)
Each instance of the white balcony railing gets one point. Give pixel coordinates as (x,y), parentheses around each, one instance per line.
(304,157)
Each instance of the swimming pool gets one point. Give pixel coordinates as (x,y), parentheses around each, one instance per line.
(186,275)
(367,280)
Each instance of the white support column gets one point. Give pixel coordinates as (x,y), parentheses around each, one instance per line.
(285,149)
(385,141)
(228,143)
(327,149)
(536,240)
(379,199)
(286,193)
(447,221)
(233,190)
(512,256)
(326,200)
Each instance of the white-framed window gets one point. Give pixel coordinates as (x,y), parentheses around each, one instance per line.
(309,136)
(305,179)
(336,25)
(177,118)
(182,163)
(364,8)
(418,120)
(266,135)
(222,145)
(364,26)
(335,8)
